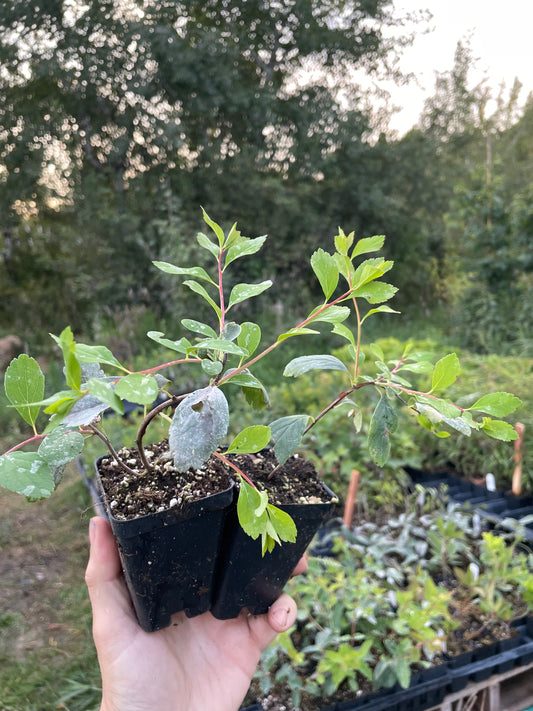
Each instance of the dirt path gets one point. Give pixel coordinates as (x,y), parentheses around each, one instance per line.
(44,611)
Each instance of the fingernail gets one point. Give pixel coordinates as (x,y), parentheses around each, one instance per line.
(281,617)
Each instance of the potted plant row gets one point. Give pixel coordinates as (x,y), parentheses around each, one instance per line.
(203,521)
(496,505)
(404,609)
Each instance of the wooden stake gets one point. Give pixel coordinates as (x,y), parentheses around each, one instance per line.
(517,473)
(351,498)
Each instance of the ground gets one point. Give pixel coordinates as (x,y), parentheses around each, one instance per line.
(45,623)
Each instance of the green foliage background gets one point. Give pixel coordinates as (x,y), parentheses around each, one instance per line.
(119,122)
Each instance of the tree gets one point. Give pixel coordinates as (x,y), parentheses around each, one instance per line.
(115,109)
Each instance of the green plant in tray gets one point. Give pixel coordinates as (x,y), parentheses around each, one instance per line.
(224,353)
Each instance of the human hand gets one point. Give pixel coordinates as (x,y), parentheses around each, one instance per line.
(195,664)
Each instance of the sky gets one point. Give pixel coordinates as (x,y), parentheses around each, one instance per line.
(500,38)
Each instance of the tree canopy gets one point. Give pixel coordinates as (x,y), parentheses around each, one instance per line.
(120,118)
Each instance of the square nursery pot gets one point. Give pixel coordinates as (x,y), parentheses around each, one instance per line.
(252,581)
(169,558)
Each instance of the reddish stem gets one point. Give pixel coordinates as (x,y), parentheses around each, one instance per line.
(167,365)
(221,293)
(274,345)
(23,444)
(235,468)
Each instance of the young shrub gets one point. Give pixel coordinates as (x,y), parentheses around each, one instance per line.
(224,353)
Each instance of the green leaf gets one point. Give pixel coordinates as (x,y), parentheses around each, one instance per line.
(137,388)
(446,408)
(105,393)
(26,473)
(197,272)
(249,502)
(198,327)
(282,523)
(198,427)
(199,289)
(343,242)
(234,235)
(497,404)
(211,367)
(251,439)
(219,344)
(96,354)
(241,292)
(24,384)
(230,331)
(259,518)
(369,270)
(217,229)
(296,332)
(345,267)
(326,270)
(84,411)
(303,364)
(287,433)
(257,398)
(379,310)
(445,372)
(376,293)
(499,430)
(330,314)
(59,448)
(341,330)
(62,402)
(368,244)
(243,247)
(253,390)
(249,337)
(403,671)
(384,421)
(436,417)
(180,346)
(244,378)
(72,366)
(205,243)
(421,366)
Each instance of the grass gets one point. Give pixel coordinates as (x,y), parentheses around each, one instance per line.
(46,646)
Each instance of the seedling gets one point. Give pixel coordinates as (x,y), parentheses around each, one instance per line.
(225,354)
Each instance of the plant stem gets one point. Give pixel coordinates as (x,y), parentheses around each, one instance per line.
(23,444)
(359,325)
(407,391)
(274,345)
(235,468)
(167,365)
(221,293)
(111,449)
(172,402)
(337,401)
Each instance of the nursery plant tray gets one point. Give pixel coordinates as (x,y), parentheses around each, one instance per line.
(491,505)
(431,686)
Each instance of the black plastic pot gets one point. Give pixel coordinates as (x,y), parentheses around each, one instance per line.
(169,558)
(252,581)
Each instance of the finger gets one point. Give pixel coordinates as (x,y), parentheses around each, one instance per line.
(107,589)
(279,618)
(301,566)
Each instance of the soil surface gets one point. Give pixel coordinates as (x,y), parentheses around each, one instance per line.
(138,493)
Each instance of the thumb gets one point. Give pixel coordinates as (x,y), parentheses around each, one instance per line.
(107,590)
(279,618)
